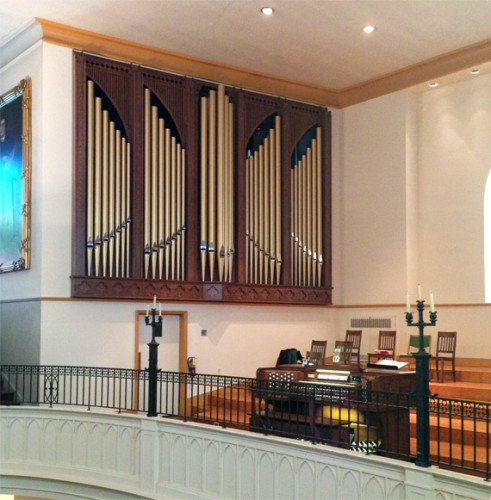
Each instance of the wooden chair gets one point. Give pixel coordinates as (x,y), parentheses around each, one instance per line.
(413,345)
(354,336)
(345,351)
(445,351)
(314,358)
(320,347)
(387,343)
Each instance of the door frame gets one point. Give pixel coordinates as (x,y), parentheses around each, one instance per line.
(183,337)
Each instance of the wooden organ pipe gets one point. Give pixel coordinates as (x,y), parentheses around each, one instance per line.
(263,209)
(108,192)
(217,185)
(165,173)
(306,215)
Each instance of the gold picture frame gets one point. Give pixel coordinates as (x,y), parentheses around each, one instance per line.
(15,178)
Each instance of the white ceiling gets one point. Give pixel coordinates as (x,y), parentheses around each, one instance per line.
(314,41)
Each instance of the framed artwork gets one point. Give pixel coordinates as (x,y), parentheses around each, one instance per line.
(15,178)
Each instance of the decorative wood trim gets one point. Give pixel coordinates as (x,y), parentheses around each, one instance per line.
(117,48)
(185,291)
(430,69)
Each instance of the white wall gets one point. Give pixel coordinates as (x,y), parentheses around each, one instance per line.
(455,159)
(373,207)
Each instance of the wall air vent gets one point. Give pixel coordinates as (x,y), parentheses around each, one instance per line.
(371,322)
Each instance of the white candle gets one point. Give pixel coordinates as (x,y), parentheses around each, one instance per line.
(146,314)
(160,309)
(408,303)
(420,296)
(154,302)
(432,303)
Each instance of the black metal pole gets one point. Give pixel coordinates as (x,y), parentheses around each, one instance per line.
(422,388)
(153,346)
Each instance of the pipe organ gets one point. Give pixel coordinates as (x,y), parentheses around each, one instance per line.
(164,198)
(263,209)
(108,192)
(195,191)
(217,185)
(306,214)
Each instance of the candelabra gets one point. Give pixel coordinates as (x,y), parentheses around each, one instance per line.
(422,384)
(156,324)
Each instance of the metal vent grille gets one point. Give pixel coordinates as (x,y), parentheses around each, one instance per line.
(371,323)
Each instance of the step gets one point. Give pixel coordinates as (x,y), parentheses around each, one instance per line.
(468,391)
(467,430)
(468,456)
(473,374)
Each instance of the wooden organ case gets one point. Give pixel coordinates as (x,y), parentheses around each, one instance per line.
(196,191)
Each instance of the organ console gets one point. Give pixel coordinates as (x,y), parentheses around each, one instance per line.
(337,404)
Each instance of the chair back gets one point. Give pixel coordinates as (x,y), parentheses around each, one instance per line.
(445,344)
(414,343)
(354,336)
(314,357)
(345,351)
(387,341)
(320,347)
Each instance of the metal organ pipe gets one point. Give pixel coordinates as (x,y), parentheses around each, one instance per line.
(217,185)
(108,192)
(263,208)
(306,216)
(165,173)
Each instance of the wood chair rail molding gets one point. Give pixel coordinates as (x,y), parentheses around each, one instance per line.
(117,48)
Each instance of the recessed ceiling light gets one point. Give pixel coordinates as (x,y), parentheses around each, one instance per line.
(267,11)
(368,28)
(475,71)
(433,84)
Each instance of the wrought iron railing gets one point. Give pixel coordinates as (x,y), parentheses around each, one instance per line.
(358,419)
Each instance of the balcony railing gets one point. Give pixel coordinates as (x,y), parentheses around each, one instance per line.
(362,420)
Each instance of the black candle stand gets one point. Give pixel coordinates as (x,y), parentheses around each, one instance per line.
(153,346)
(422,387)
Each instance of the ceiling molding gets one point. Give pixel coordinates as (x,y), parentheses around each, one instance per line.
(125,50)
(182,64)
(430,69)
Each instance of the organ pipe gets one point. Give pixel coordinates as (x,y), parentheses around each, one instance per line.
(164,214)
(108,192)
(263,208)
(217,185)
(306,215)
